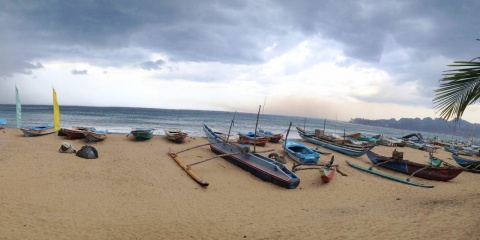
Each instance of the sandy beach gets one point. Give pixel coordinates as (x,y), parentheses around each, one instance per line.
(134,190)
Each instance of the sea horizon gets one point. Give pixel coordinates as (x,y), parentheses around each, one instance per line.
(122,120)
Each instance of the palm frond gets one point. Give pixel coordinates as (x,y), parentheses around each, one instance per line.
(458,89)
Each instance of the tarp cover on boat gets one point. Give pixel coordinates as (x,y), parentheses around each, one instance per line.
(67,147)
(87,152)
(417,135)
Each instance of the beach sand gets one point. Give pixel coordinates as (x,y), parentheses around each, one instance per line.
(134,190)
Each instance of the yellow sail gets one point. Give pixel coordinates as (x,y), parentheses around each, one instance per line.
(56,112)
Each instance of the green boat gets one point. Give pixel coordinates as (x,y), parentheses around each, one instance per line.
(435,162)
(388,176)
(142,134)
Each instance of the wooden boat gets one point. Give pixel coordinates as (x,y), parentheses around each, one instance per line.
(95,135)
(328,171)
(73,133)
(175,135)
(34,131)
(386,175)
(142,134)
(459,150)
(272,137)
(188,169)
(330,143)
(397,163)
(3,122)
(300,153)
(467,164)
(251,138)
(258,165)
(433,161)
(392,142)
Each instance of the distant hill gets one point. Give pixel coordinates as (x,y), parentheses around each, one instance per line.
(438,125)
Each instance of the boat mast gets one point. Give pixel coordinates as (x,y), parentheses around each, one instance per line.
(231,125)
(288,131)
(256,126)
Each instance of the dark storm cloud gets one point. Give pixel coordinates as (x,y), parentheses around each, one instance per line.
(107,33)
(153,65)
(79,72)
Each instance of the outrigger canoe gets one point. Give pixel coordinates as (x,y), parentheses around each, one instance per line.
(328,171)
(188,169)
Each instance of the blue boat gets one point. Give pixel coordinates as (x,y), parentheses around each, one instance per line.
(341,147)
(258,165)
(3,122)
(467,164)
(300,153)
(34,131)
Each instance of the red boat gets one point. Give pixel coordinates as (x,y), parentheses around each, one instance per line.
(250,138)
(328,171)
(73,134)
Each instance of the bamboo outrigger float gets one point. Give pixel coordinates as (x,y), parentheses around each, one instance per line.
(188,169)
(388,176)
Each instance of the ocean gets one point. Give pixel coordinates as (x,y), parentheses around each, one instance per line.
(122,120)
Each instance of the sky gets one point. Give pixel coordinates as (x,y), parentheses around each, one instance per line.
(312,58)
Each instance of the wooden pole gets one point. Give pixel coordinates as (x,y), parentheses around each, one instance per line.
(286,136)
(193,147)
(231,125)
(225,155)
(256,126)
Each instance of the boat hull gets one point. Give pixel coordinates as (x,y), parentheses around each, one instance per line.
(37,131)
(175,135)
(409,167)
(142,134)
(327,173)
(344,148)
(251,139)
(300,153)
(74,133)
(258,165)
(466,163)
(95,137)
(3,122)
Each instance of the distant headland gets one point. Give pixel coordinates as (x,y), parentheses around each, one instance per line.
(459,128)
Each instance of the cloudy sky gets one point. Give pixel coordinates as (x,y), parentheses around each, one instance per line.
(325,59)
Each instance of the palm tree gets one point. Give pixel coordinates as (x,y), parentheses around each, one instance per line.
(458,89)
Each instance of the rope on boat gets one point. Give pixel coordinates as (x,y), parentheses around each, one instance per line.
(378,164)
(421,169)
